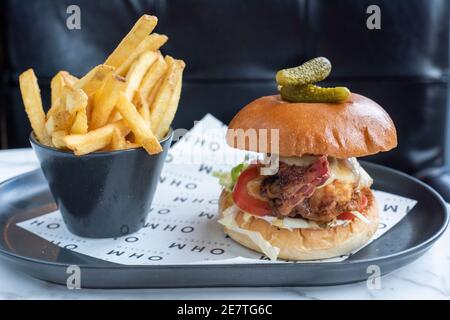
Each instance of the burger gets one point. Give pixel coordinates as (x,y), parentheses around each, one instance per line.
(318,203)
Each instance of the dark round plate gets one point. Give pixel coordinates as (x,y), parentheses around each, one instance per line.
(27,196)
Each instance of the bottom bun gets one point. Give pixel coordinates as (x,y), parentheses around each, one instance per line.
(305,243)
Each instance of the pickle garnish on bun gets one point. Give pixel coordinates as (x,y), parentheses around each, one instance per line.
(298,84)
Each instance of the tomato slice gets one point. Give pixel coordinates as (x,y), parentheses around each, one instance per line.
(346,216)
(245,201)
(364,202)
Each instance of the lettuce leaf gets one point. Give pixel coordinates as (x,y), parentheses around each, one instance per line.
(228,221)
(228,179)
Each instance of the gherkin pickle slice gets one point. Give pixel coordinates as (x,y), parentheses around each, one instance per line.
(312,71)
(313,93)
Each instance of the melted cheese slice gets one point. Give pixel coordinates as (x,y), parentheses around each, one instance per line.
(299,161)
(348,171)
(345,170)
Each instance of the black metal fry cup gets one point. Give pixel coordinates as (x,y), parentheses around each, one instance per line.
(103,194)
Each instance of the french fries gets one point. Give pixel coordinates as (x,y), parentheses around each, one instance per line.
(127,102)
(154,73)
(143,27)
(165,92)
(31,95)
(149,87)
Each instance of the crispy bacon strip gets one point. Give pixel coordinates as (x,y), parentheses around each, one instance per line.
(293,184)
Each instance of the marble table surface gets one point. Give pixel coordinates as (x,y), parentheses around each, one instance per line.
(426,278)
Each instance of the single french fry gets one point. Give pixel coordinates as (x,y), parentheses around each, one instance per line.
(59,120)
(150,80)
(138,126)
(131,145)
(69,78)
(144,109)
(162,127)
(50,121)
(50,125)
(58,139)
(89,109)
(74,99)
(150,44)
(122,126)
(32,100)
(115,116)
(143,27)
(94,140)
(152,96)
(118,141)
(162,99)
(80,124)
(94,79)
(137,73)
(105,99)
(56,86)
(59,82)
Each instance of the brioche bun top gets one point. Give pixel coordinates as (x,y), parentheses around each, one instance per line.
(358,127)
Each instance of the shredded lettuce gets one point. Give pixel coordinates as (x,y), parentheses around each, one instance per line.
(361,217)
(228,221)
(286,223)
(228,179)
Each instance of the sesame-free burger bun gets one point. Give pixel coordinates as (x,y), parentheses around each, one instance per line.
(358,127)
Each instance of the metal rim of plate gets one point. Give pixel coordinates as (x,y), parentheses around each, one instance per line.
(398,259)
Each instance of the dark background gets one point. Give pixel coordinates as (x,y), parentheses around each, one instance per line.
(233,49)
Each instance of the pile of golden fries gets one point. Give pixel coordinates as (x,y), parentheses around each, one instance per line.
(127,102)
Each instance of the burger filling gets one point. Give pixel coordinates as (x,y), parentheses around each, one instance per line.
(319,189)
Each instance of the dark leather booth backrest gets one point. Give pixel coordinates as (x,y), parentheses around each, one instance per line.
(233,49)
